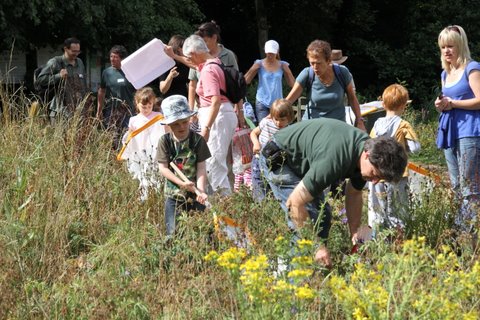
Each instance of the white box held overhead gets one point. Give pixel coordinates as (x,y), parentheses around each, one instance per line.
(147,63)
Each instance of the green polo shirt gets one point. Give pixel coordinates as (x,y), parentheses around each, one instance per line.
(323,151)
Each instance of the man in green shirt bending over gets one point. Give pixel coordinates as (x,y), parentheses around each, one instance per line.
(305,158)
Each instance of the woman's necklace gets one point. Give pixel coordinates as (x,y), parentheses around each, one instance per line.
(327,78)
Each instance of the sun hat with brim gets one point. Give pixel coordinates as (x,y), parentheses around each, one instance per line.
(272,46)
(176,108)
(338,57)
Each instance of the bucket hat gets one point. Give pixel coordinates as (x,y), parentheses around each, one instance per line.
(176,108)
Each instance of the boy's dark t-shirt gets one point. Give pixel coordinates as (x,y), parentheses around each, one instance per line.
(185,154)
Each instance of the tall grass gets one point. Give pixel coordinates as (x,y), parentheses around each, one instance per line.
(77,243)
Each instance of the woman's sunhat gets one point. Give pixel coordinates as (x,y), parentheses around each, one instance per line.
(337,56)
(176,108)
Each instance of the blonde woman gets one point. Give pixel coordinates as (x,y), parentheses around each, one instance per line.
(459,124)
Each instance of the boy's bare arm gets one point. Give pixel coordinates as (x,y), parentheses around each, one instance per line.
(254,137)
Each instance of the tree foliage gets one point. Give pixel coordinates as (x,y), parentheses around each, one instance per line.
(98,24)
(387,41)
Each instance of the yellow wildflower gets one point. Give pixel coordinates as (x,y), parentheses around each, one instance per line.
(303,260)
(300,273)
(304,244)
(212,255)
(304,292)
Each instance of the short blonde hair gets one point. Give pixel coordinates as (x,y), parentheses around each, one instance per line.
(282,108)
(454,36)
(144,96)
(394,97)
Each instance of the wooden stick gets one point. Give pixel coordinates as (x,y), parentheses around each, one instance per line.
(184,177)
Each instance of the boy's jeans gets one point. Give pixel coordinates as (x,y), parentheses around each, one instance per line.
(174,206)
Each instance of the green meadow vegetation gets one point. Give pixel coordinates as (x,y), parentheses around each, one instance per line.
(77,243)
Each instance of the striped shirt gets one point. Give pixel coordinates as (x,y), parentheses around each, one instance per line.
(267,129)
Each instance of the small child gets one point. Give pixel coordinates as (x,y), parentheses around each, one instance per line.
(188,150)
(281,115)
(387,202)
(141,150)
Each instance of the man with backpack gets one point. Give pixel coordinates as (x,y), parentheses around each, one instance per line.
(64,79)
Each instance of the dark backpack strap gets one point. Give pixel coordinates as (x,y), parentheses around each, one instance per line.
(311,78)
(339,75)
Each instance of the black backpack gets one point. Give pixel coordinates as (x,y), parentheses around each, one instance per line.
(44,92)
(235,83)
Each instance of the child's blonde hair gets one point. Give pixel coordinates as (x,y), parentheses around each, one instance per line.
(282,108)
(394,97)
(144,96)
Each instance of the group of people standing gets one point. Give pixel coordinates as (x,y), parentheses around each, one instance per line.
(296,162)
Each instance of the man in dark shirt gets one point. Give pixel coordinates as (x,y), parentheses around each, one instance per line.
(66,75)
(307,157)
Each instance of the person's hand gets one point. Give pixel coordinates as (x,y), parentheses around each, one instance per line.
(443,104)
(202,198)
(63,73)
(188,185)
(256,147)
(169,51)
(322,256)
(173,72)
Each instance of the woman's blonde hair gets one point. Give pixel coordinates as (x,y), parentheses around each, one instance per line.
(454,36)
(394,97)
(144,96)
(282,108)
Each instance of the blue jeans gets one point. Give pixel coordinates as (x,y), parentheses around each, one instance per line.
(282,181)
(261,110)
(259,184)
(174,206)
(463,164)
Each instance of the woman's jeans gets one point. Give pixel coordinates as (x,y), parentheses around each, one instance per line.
(174,206)
(261,111)
(282,181)
(463,163)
